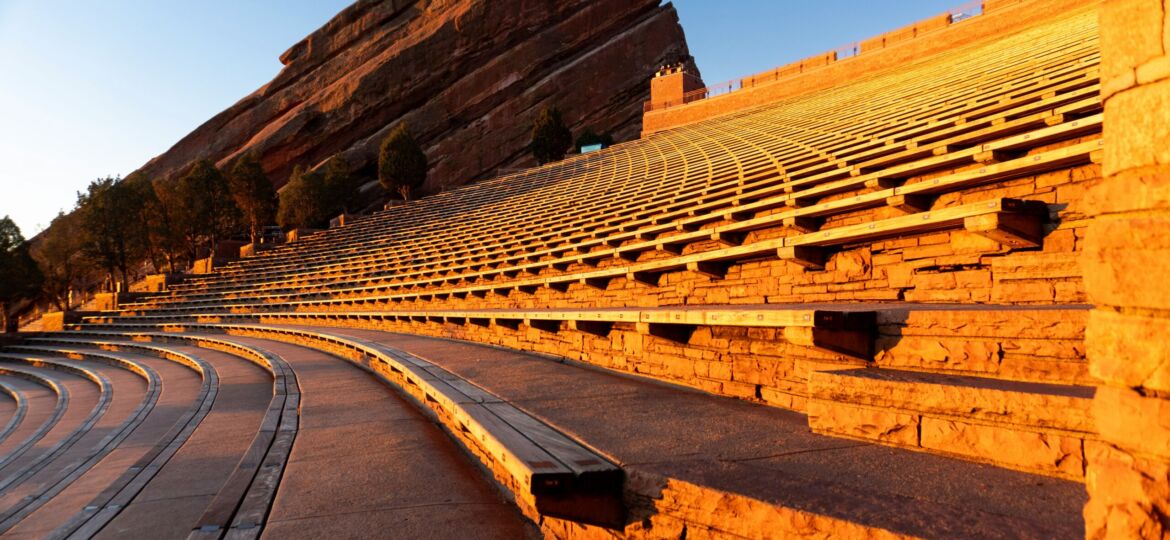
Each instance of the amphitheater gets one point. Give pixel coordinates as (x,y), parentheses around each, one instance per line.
(915,292)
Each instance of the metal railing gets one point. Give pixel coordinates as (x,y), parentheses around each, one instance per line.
(966,11)
(958,13)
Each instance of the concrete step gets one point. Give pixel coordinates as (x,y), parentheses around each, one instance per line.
(1034,427)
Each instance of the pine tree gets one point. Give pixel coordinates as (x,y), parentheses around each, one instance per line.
(343,187)
(111,234)
(58,259)
(208,213)
(302,201)
(550,138)
(402,165)
(254,195)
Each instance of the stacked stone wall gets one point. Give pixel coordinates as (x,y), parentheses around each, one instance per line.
(1126,261)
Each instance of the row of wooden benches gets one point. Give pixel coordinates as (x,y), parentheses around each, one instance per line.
(480,232)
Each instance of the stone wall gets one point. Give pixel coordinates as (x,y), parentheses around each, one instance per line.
(1126,261)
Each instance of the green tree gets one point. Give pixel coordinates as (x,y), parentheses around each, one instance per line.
(254,194)
(589,137)
(19,277)
(111,233)
(402,165)
(343,187)
(302,201)
(207,213)
(165,211)
(58,256)
(550,138)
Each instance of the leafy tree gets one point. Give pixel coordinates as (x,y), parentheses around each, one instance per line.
(57,255)
(207,213)
(342,186)
(550,138)
(111,233)
(165,211)
(589,137)
(302,201)
(254,194)
(402,165)
(19,277)
(155,246)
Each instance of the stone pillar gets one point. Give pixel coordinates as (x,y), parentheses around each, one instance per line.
(670,84)
(1126,265)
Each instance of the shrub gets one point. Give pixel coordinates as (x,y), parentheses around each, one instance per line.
(550,138)
(402,165)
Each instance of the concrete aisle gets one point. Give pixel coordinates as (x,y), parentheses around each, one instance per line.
(171,504)
(83,397)
(366,463)
(762,452)
(179,389)
(41,404)
(127,392)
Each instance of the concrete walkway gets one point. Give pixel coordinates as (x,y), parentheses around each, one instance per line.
(178,391)
(175,498)
(757,451)
(366,462)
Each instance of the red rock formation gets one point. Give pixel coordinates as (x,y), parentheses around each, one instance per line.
(468,75)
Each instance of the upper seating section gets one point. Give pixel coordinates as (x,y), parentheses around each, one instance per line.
(947,144)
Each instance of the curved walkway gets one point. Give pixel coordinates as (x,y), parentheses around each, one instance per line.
(45,407)
(659,432)
(125,410)
(176,496)
(177,389)
(366,460)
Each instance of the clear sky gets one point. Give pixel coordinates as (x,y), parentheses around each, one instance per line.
(96,88)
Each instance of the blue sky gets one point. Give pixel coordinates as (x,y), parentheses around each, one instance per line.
(97,88)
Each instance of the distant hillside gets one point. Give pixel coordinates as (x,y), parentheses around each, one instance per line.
(468,75)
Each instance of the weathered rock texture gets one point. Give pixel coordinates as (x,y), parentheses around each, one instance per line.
(1126,259)
(468,76)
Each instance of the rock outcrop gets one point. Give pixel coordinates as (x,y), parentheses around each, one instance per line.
(468,76)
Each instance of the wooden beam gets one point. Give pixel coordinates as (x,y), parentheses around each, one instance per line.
(648,278)
(599,283)
(678,333)
(560,286)
(852,343)
(803,224)
(713,269)
(810,257)
(597,328)
(1010,229)
(910,204)
(546,325)
(513,324)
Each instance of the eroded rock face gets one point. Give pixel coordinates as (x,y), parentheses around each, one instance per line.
(468,76)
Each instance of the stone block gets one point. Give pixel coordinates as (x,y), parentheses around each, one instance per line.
(1132,421)
(1023,292)
(1130,495)
(1154,70)
(863,423)
(1135,137)
(1129,350)
(1043,453)
(1126,261)
(1144,189)
(938,354)
(1131,35)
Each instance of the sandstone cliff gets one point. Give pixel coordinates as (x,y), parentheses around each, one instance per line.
(468,75)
